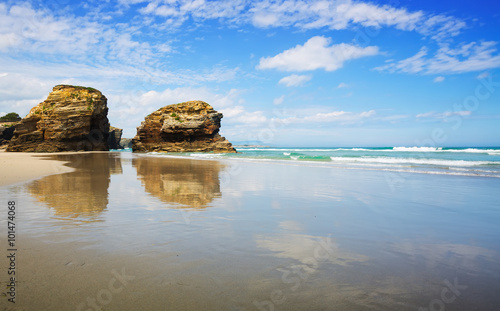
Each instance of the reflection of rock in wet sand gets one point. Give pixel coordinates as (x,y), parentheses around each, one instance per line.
(193,183)
(83,192)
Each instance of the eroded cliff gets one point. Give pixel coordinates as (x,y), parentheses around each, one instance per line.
(72,118)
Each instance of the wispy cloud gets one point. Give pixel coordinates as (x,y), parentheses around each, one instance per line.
(394,118)
(483,75)
(341,117)
(24,29)
(342,85)
(316,53)
(439,79)
(442,115)
(468,57)
(304,14)
(279,100)
(295,80)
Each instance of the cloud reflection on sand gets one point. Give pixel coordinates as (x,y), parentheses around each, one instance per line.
(302,247)
(469,258)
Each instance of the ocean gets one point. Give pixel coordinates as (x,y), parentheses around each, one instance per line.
(467,161)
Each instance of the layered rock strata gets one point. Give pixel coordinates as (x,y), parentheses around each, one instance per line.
(72,118)
(186,127)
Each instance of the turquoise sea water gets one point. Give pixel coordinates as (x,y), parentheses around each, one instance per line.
(465,161)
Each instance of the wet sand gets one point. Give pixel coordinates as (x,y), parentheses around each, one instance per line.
(16,167)
(136,232)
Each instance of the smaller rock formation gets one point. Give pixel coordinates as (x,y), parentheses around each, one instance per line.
(72,118)
(114,138)
(126,143)
(186,127)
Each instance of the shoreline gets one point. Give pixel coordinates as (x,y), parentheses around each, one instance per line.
(19,167)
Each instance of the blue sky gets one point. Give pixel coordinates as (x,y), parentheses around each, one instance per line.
(283,73)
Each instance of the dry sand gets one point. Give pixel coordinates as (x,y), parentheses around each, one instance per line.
(16,167)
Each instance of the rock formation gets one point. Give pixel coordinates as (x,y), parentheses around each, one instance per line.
(186,127)
(6,133)
(114,138)
(126,142)
(72,118)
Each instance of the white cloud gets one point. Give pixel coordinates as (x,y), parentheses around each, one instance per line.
(177,95)
(342,14)
(295,80)
(342,85)
(178,11)
(342,117)
(440,27)
(394,118)
(255,118)
(305,14)
(439,79)
(376,16)
(279,100)
(316,54)
(465,58)
(443,115)
(412,64)
(483,75)
(25,29)
(14,85)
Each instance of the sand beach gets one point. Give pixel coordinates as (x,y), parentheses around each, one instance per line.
(20,167)
(124,231)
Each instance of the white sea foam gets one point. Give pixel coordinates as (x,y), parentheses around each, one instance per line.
(206,155)
(393,149)
(390,160)
(296,149)
(417,149)
(440,149)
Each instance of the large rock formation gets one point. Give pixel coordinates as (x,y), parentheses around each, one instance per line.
(72,118)
(114,138)
(186,127)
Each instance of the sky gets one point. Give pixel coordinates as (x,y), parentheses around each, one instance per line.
(326,73)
